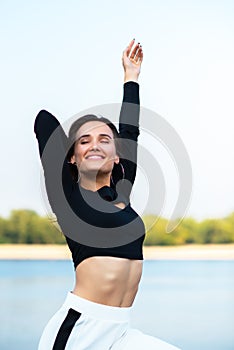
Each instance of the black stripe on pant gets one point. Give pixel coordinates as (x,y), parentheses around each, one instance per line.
(65,329)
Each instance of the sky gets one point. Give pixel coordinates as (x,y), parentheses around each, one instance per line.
(65,56)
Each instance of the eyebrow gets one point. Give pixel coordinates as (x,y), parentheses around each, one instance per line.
(88,135)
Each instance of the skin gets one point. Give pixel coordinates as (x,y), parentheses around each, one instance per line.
(95,154)
(104,279)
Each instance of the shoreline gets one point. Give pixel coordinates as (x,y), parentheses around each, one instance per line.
(62,252)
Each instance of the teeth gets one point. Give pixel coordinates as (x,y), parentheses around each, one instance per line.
(94,157)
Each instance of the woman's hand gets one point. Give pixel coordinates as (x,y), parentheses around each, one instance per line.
(132,59)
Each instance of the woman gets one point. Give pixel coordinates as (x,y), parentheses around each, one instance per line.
(96,178)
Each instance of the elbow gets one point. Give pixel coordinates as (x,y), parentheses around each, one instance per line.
(40,116)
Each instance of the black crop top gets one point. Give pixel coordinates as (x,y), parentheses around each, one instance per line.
(90,230)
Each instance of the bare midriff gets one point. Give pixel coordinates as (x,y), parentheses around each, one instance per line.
(108,280)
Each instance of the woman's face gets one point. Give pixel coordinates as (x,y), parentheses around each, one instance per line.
(95,150)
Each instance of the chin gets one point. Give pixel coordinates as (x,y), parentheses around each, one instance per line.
(94,168)
(93,171)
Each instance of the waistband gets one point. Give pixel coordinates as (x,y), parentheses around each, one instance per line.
(96,310)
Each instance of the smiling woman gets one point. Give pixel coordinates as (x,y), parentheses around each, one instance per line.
(107,239)
(94,151)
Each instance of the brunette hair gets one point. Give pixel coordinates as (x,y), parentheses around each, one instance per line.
(73,132)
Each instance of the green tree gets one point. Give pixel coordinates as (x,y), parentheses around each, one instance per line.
(215,231)
(26,226)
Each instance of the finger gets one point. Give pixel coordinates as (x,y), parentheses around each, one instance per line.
(140,59)
(134,51)
(129,47)
(139,54)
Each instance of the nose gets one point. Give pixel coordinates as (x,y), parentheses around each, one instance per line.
(94,145)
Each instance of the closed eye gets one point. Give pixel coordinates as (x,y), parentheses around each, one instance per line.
(105,141)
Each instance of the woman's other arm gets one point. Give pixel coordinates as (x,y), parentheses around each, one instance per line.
(53,145)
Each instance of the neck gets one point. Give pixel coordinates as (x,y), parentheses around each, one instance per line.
(93,183)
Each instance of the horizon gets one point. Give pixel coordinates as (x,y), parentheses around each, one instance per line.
(66,58)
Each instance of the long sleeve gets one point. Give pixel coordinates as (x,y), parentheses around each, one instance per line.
(129,129)
(53,147)
(85,216)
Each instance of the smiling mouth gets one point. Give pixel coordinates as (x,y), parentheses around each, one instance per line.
(94,157)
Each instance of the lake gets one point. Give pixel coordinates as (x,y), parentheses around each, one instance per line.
(186,303)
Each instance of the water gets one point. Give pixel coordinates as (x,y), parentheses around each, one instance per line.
(187,303)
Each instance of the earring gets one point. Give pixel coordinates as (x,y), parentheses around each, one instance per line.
(78,178)
(123,173)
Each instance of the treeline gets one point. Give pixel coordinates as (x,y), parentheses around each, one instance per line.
(189,231)
(26,226)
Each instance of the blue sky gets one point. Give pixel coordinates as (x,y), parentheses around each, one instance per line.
(65,56)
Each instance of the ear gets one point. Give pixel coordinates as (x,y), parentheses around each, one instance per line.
(73,160)
(116,160)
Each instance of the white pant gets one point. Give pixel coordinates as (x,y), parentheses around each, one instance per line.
(81,324)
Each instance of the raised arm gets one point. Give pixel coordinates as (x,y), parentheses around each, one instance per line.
(130,110)
(53,145)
